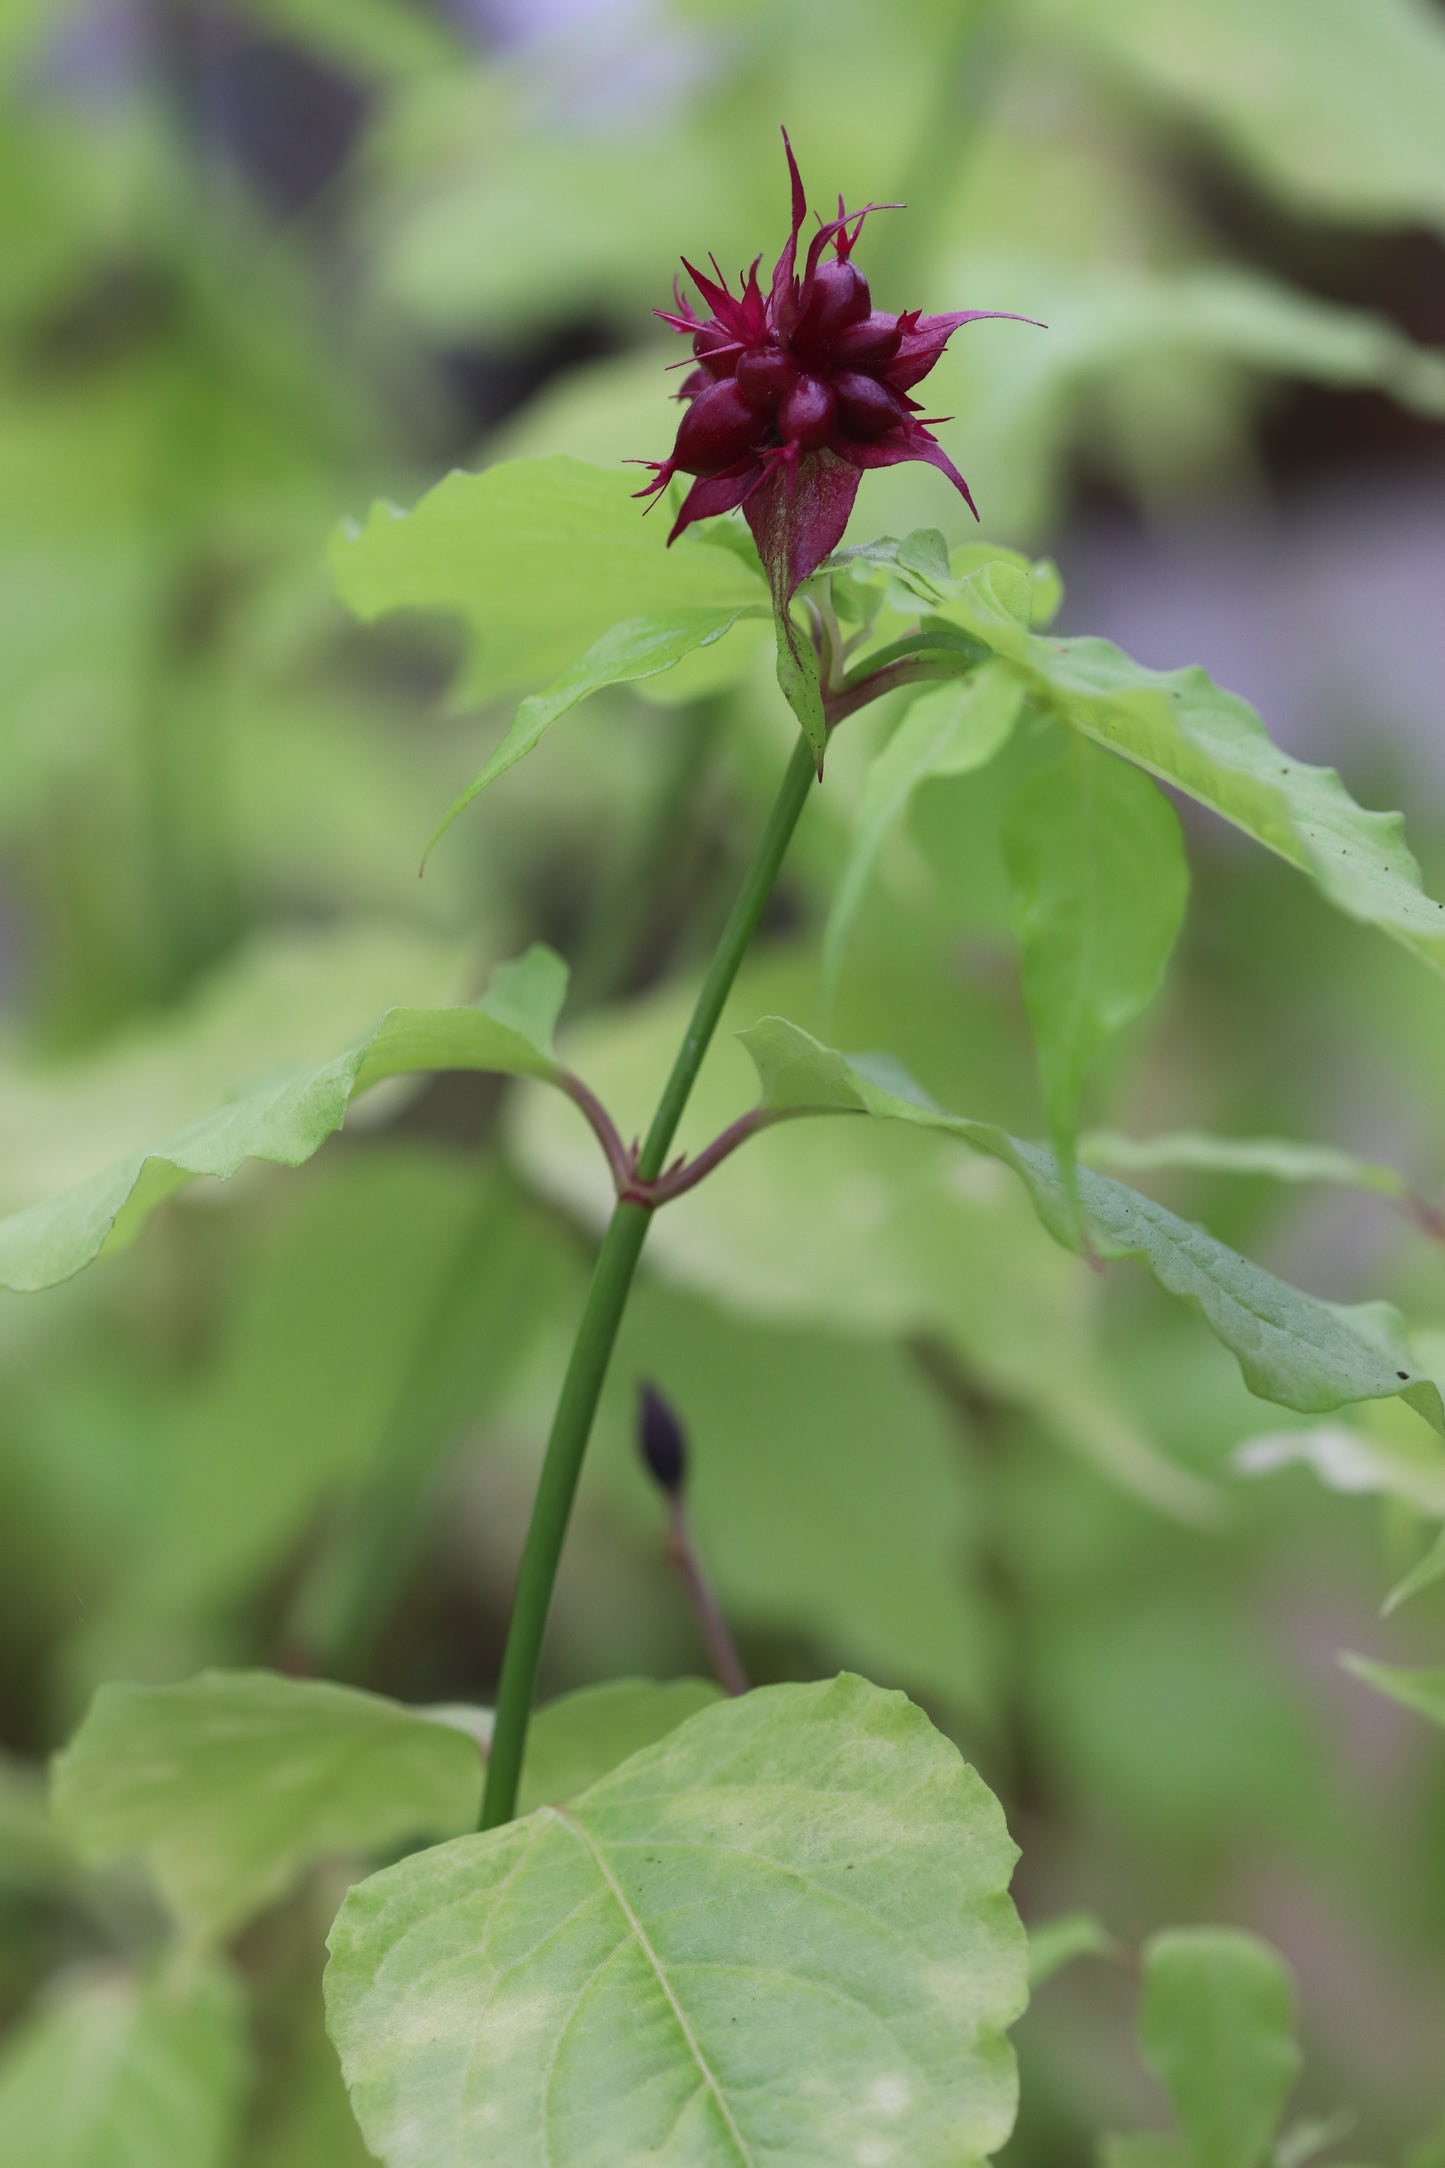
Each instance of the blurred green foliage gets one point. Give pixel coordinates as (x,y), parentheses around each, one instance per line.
(262,265)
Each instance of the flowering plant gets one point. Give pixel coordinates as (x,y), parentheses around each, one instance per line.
(701,1924)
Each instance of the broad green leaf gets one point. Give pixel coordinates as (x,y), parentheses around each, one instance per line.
(948,730)
(1420,1690)
(291,997)
(1278,1159)
(540,557)
(1208,743)
(577,1740)
(1291,1348)
(638,649)
(1056,1943)
(1216,2018)
(1334,105)
(288,1117)
(232,1781)
(110,2073)
(783,1933)
(1099,886)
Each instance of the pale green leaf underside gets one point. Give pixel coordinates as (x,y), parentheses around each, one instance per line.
(540,557)
(286,1118)
(781,1935)
(1420,1690)
(1212,745)
(1290,1347)
(230,1782)
(1216,2018)
(948,730)
(640,648)
(1279,1159)
(110,2073)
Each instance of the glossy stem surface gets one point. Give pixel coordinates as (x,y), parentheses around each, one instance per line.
(602,1315)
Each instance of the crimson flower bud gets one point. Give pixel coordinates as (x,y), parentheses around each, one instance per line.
(715,350)
(836,296)
(718,429)
(806,416)
(873,339)
(765,375)
(865,407)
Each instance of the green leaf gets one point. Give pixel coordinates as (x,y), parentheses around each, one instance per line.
(289,1116)
(1278,1159)
(230,1782)
(1423,1575)
(110,2073)
(577,1740)
(948,730)
(638,649)
(540,557)
(799,681)
(1336,107)
(1056,1943)
(1099,886)
(1290,1347)
(1216,2018)
(782,1933)
(1420,1690)
(1208,743)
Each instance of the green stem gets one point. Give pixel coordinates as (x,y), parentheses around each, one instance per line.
(606,1300)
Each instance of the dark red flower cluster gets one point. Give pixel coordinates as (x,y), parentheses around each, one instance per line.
(797,392)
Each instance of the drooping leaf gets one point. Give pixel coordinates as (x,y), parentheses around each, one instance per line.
(1291,1348)
(949,730)
(1212,745)
(783,1932)
(1053,1944)
(540,557)
(232,1781)
(288,1117)
(1099,886)
(1216,2018)
(109,2072)
(1422,1690)
(580,1738)
(638,649)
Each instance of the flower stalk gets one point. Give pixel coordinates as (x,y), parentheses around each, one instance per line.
(606,1300)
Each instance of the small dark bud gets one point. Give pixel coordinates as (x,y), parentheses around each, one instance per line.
(661,1440)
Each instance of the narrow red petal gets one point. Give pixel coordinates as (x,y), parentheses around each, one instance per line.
(719,493)
(923,342)
(787,263)
(909,441)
